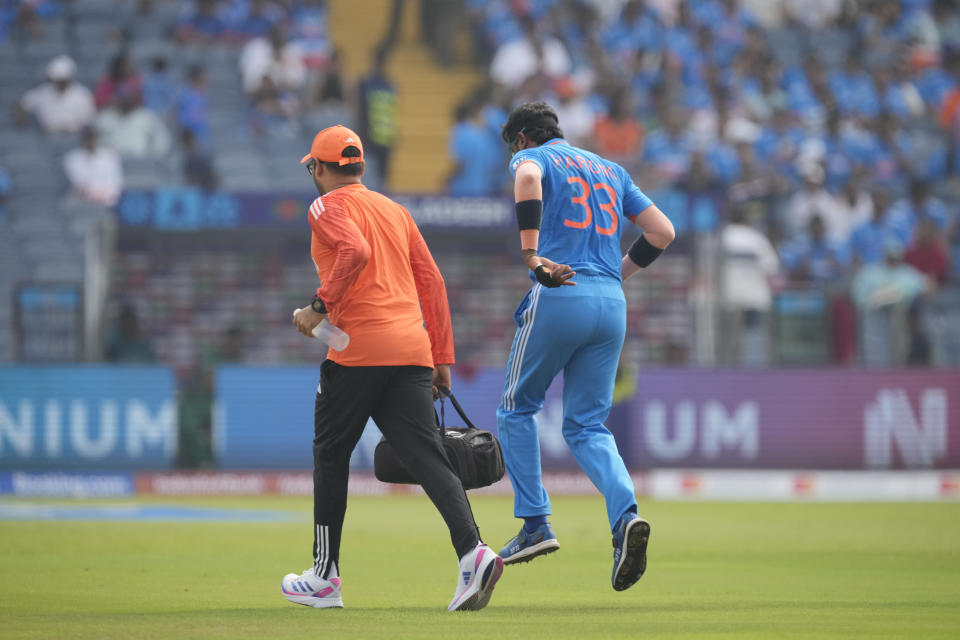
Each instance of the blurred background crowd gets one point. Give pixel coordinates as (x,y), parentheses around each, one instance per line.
(808,152)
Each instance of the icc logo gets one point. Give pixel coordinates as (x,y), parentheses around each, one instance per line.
(890,423)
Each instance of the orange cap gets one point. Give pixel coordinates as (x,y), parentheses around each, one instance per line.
(328,146)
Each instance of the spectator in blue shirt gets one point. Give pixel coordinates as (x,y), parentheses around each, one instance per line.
(158,88)
(500,24)
(202,25)
(720,156)
(882,28)
(679,41)
(812,257)
(309,29)
(475,154)
(193,106)
(730,27)
(253,20)
(723,162)
(868,242)
(696,59)
(853,89)
(839,148)
(917,153)
(897,94)
(638,28)
(879,149)
(799,83)
(933,84)
(24,17)
(906,213)
(8,18)
(779,144)
(668,149)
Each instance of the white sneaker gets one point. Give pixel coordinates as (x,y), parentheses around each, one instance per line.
(477,575)
(309,590)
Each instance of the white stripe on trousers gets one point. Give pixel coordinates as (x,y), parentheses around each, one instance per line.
(322,553)
(523,337)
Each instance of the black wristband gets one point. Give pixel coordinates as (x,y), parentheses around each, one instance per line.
(528,214)
(642,252)
(318,305)
(543,277)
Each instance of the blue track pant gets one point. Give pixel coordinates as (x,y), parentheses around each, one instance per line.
(578,330)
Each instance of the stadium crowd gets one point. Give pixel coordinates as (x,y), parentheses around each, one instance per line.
(824,135)
(842,111)
(166,84)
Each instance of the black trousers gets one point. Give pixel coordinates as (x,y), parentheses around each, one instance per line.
(400,401)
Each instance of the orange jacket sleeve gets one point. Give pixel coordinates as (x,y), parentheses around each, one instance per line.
(433,297)
(334,229)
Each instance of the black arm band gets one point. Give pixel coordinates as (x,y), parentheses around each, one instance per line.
(642,252)
(528,214)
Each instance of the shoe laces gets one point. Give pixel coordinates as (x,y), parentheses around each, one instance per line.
(308,574)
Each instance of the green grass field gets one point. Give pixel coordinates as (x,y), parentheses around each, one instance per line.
(731,570)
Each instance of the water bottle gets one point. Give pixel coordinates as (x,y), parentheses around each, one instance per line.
(335,337)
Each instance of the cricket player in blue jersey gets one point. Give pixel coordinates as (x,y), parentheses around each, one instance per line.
(571,206)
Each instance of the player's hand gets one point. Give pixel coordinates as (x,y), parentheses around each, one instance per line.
(554,275)
(306,319)
(441,378)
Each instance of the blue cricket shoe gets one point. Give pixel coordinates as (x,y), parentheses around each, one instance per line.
(629,550)
(524,546)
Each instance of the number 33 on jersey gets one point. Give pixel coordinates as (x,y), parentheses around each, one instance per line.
(584,197)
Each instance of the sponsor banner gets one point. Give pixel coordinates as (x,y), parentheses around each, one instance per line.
(192,209)
(811,419)
(264,417)
(820,486)
(665,484)
(362,483)
(677,418)
(127,511)
(248,483)
(87,417)
(66,485)
(202,484)
(245,483)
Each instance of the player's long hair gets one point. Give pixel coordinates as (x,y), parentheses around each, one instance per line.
(536,120)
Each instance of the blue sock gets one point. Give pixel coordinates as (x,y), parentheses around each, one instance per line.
(531,523)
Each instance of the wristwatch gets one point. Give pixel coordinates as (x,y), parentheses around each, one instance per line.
(318,306)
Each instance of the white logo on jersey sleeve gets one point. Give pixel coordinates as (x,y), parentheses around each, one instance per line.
(317,208)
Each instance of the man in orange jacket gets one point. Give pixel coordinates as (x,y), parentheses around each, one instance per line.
(382,287)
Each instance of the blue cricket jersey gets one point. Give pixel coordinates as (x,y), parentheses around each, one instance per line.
(585,201)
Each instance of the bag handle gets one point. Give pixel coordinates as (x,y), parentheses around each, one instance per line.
(445,392)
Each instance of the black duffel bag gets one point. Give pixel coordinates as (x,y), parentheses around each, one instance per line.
(474,454)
